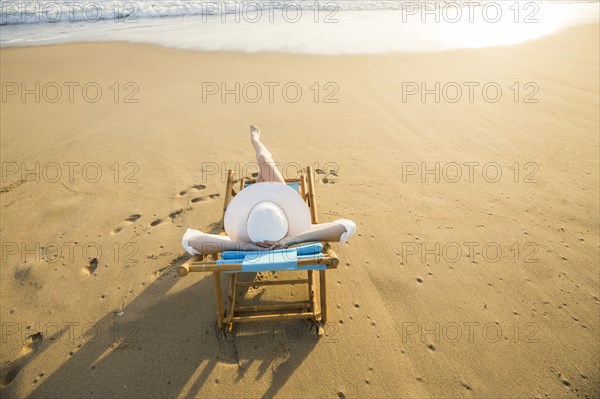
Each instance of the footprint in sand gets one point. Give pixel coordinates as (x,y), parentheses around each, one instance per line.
(172,216)
(330,178)
(91,267)
(133,217)
(563,380)
(12,186)
(22,274)
(176,213)
(466,386)
(196,187)
(156,222)
(24,277)
(204,198)
(127,221)
(9,372)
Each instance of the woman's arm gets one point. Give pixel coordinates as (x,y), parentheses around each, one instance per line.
(332,231)
(321,232)
(207,244)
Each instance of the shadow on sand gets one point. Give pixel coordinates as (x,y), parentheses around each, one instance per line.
(167,345)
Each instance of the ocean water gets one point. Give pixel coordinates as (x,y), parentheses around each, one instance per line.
(300,27)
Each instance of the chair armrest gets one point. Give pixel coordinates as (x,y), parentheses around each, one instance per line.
(184,269)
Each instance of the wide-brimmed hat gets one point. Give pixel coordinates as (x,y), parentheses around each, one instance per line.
(266,211)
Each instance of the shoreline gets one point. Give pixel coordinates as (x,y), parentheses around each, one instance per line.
(302,55)
(385,32)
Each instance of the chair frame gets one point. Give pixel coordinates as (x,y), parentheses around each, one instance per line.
(314,309)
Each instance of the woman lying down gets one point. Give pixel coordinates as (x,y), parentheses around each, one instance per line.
(266,215)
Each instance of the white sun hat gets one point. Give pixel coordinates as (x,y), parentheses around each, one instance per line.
(266,211)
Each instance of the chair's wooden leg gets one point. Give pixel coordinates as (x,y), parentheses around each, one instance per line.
(323,289)
(303,187)
(309,284)
(312,195)
(228,194)
(218,299)
(312,294)
(231,301)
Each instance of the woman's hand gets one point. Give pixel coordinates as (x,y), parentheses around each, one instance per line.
(257,246)
(267,245)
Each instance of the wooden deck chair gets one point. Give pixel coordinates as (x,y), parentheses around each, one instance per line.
(310,257)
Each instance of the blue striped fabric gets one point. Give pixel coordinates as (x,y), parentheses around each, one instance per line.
(286,259)
(280,259)
(306,249)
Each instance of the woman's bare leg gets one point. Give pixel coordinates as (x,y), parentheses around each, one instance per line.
(268,171)
(320,232)
(207,244)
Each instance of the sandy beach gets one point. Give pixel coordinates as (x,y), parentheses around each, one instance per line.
(474,271)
